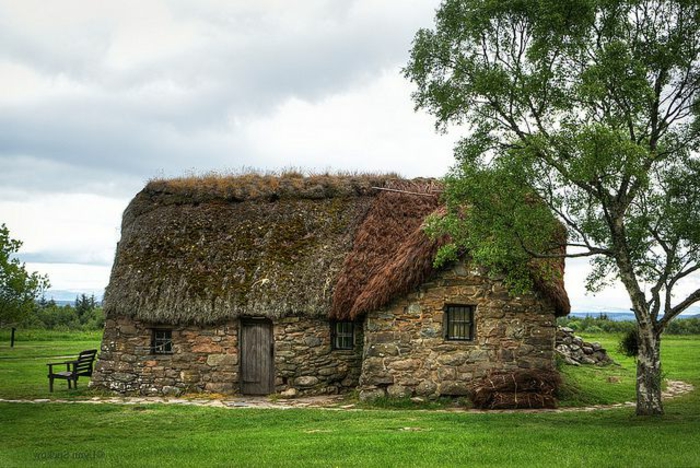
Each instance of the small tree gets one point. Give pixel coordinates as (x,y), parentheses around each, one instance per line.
(587,109)
(18,288)
(84,306)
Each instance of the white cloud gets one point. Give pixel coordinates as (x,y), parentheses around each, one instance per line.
(372,128)
(73,277)
(65,228)
(135,88)
(98,97)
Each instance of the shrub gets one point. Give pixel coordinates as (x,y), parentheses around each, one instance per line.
(629,345)
(684,327)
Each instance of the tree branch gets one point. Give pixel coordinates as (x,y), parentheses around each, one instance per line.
(678,309)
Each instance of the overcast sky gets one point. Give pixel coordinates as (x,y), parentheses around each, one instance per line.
(98,97)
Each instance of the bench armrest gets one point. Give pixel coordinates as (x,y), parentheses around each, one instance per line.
(57,363)
(68,365)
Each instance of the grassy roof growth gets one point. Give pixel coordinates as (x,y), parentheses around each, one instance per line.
(206,249)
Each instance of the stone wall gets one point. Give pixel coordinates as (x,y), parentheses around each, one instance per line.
(405,353)
(305,363)
(574,351)
(206,359)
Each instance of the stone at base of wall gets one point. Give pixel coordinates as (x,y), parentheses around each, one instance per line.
(205,359)
(372,393)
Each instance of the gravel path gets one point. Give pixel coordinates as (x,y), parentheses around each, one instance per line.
(674,388)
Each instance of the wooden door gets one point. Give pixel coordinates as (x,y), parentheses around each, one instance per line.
(257,367)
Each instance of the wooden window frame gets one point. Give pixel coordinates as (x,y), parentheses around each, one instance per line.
(161,344)
(450,322)
(342,340)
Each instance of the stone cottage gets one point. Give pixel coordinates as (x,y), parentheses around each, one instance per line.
(306,285)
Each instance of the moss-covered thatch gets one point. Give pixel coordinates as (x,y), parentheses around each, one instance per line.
(202,250)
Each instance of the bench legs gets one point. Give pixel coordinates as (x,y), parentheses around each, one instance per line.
(75,384)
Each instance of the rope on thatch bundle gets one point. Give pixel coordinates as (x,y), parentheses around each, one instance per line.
(430,193)
(522,389)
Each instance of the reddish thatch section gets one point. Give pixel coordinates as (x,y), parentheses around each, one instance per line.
(390,255)
(516,390)
(549,279)
(411,266)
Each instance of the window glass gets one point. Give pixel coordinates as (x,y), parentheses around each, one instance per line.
(459,322)
(162,341)
(343,335)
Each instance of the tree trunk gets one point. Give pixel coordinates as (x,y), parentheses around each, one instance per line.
(649,373)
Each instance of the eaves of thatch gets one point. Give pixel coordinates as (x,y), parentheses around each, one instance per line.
(204,250)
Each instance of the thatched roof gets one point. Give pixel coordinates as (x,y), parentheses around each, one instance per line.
(202,250)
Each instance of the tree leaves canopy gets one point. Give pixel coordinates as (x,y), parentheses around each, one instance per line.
(18,288)
(587,109)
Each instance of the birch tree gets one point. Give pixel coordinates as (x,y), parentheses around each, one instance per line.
(587,109)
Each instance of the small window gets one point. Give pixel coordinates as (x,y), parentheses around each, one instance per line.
(459,322)
(342,335)
(162,341)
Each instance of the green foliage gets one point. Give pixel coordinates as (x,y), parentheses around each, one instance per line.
(18,287)
(601,323)
(580,111)
(629,344)
(86,314)
(589,323)
(684,327)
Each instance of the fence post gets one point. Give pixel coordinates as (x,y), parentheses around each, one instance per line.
(12,338)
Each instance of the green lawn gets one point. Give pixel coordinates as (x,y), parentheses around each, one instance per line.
(24,370)
(157,435)
(591,385)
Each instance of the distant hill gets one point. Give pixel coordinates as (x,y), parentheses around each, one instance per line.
(619,316)
(615,316)
(64,297)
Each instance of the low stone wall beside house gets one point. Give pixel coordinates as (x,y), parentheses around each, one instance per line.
(407,354)
(206,359)
(574,351)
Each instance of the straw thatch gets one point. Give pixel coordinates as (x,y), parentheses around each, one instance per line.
(391,254)
(521,389)
(202,250)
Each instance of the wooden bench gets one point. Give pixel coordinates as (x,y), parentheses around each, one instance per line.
(74,369)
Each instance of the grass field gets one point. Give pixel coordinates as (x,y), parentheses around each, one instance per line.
(23,368)
(156,435)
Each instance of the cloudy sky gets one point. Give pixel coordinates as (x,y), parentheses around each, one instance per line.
(98,97)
